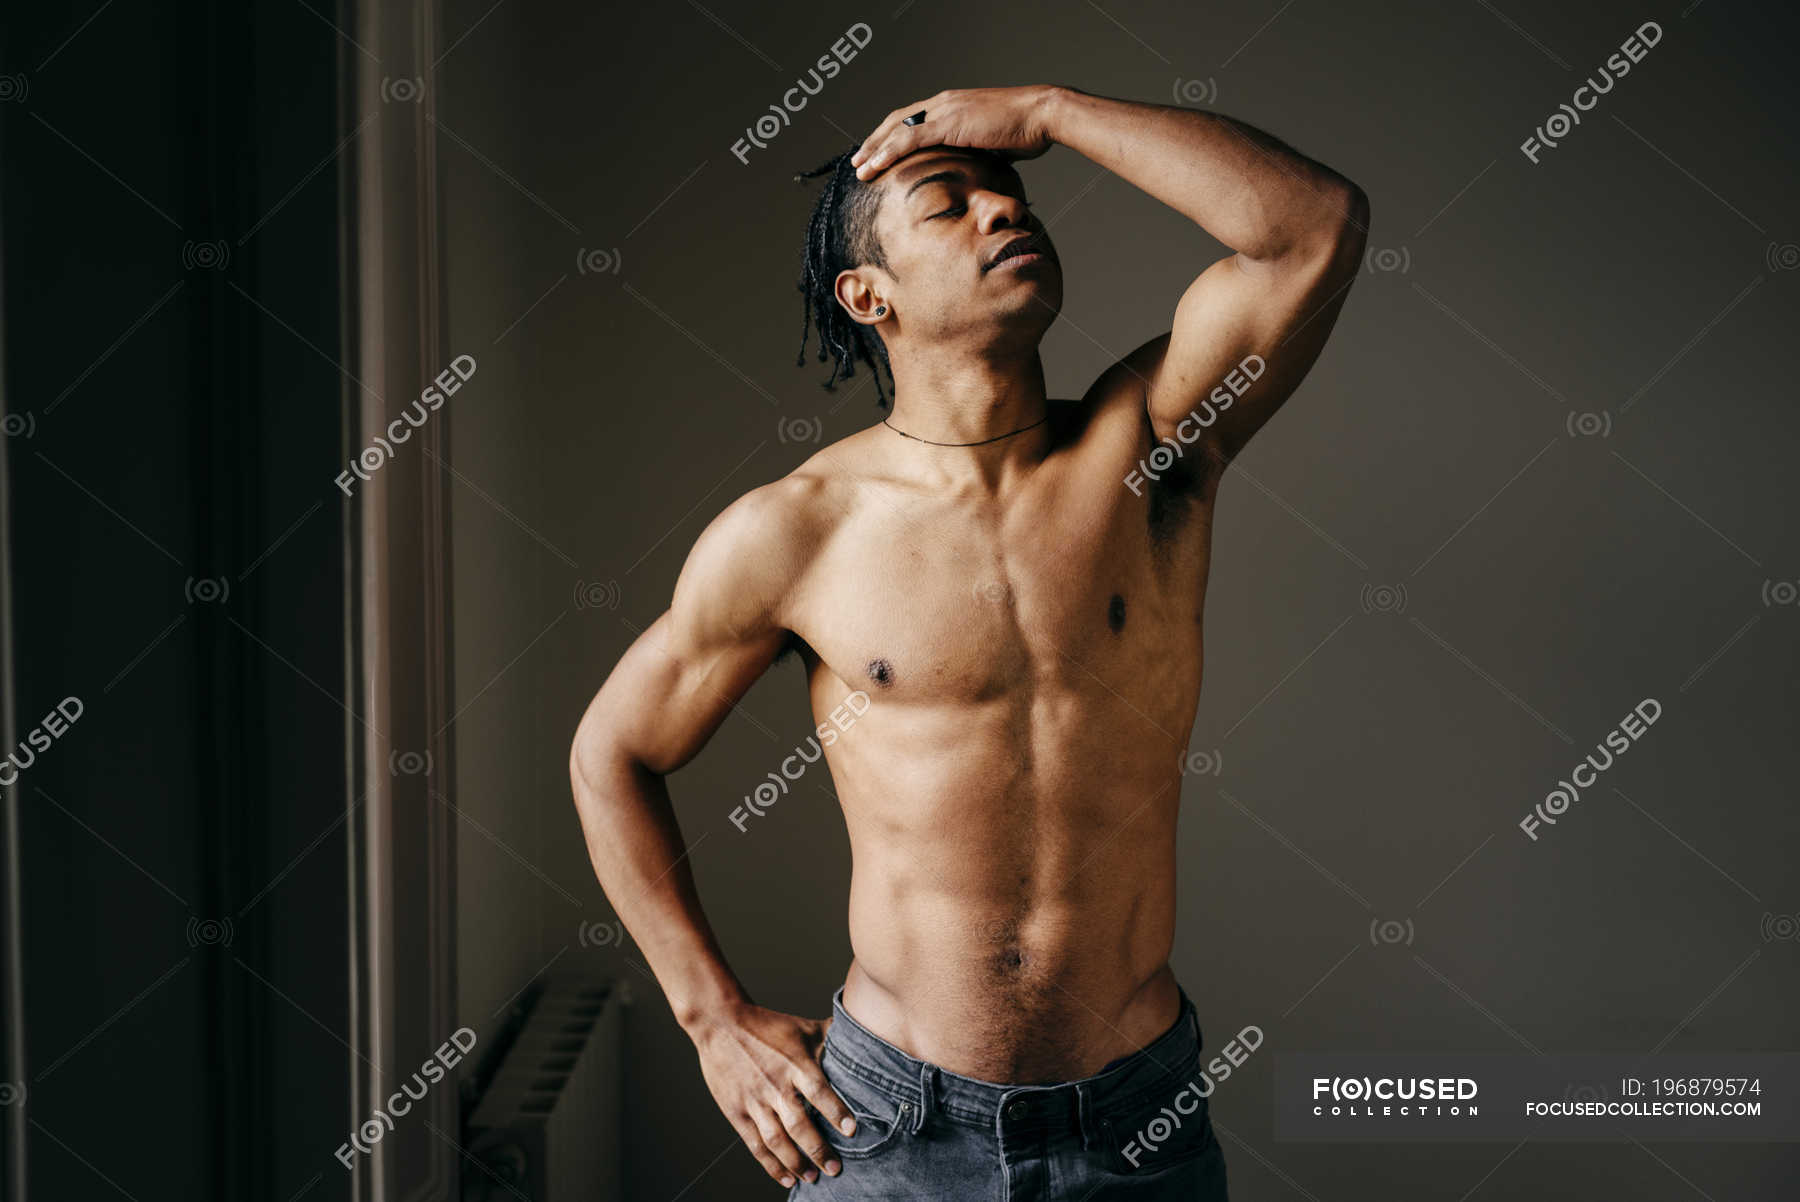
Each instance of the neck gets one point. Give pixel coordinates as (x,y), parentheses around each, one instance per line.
(968,400)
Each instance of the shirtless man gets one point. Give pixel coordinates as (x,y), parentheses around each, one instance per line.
(1016,586)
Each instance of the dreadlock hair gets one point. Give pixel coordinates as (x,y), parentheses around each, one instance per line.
(840,235)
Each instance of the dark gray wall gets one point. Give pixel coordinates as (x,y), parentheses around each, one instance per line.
(1433,592)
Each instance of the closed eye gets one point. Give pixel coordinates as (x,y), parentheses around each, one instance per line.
(952,211)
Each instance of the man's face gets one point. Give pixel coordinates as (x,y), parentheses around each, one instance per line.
(968,261)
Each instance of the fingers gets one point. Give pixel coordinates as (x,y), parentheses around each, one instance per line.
(747,1131)
(771,1125)
(892,139)
(817,1090)
(803,1132)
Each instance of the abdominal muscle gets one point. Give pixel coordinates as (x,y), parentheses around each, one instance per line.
(1015,931)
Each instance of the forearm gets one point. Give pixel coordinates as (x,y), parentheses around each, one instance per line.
(635,846)
(1245,188)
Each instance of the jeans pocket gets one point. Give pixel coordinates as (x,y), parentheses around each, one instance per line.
(1155,1133)
(880,1115)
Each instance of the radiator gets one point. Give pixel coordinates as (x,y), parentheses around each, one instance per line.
(548,1125)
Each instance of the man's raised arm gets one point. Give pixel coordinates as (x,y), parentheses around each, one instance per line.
(667,695)
(1297,228)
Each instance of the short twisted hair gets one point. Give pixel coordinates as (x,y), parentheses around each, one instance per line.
(840,235)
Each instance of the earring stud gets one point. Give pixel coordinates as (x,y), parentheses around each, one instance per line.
(881,310)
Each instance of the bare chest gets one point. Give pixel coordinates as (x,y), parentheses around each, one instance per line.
(972,603)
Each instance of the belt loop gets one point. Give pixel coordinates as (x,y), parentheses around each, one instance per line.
(927,1097)
(1090,1124)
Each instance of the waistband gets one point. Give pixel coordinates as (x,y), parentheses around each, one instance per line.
(1154,1072)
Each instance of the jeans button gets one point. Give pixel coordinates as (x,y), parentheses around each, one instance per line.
(1018,1109)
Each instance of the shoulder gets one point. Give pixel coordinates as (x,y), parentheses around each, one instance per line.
(748,560)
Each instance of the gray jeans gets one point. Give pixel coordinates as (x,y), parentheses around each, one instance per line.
(1138,1129)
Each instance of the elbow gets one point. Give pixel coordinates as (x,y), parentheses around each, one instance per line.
(1339,230)
(1347,223)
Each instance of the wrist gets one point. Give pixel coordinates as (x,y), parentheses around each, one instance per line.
(699,1018)
(1052,105)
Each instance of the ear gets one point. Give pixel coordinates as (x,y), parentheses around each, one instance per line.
(858,292)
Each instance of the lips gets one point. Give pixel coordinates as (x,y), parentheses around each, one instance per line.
(1030,244)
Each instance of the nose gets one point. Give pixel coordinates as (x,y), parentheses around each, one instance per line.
(998,211)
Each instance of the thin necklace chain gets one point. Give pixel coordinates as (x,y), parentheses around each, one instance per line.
(979,443)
